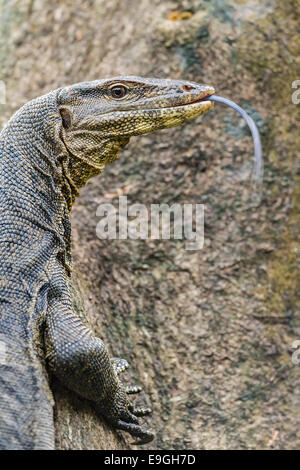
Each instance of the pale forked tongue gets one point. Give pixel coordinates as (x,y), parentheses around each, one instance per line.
(258,157)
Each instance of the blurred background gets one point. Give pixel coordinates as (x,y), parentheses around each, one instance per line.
(208,333)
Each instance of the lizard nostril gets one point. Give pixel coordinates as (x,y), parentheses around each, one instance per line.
(188,87)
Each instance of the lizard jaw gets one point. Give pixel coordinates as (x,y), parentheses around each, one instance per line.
(188,111)
(202,100)
(194,106)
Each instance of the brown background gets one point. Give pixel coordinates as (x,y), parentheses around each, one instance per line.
(208,333)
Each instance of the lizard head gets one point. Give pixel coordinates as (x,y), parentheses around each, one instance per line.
(99,117)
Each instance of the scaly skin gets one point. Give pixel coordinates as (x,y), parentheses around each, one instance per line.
(49,149)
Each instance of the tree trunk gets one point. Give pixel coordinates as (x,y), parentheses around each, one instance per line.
(207,333)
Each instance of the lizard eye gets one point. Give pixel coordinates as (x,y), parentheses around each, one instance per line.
(118,92)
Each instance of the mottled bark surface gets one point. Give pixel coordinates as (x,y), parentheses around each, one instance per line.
(208,333)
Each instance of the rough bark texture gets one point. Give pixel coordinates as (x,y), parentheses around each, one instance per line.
(208,333)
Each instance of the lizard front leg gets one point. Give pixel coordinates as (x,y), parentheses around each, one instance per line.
(81,362)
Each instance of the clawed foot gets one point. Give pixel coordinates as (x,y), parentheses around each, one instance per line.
(122,414)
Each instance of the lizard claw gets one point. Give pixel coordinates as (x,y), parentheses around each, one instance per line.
(136,431)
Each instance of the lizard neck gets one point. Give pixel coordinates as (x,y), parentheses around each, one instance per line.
(80,165)
(32,201)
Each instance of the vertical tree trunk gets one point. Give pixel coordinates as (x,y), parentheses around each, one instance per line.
(208,333)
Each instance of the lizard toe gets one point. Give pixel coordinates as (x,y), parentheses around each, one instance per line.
(119,365)
(131,389)
(144,436)
(140,410)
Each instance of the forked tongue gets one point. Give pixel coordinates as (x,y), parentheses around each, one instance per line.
(257,173)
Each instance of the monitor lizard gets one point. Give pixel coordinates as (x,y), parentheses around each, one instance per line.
(49,149)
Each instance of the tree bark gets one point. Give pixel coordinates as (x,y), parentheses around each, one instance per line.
(207,333)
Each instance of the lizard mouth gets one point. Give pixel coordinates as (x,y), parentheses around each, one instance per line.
(194,107)
(182,109)
(201,100)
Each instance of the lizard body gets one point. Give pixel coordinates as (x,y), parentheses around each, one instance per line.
(48,150)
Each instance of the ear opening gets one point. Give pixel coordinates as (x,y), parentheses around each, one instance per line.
(65,117)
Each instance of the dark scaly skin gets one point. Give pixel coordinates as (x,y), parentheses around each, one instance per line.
(49,149)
